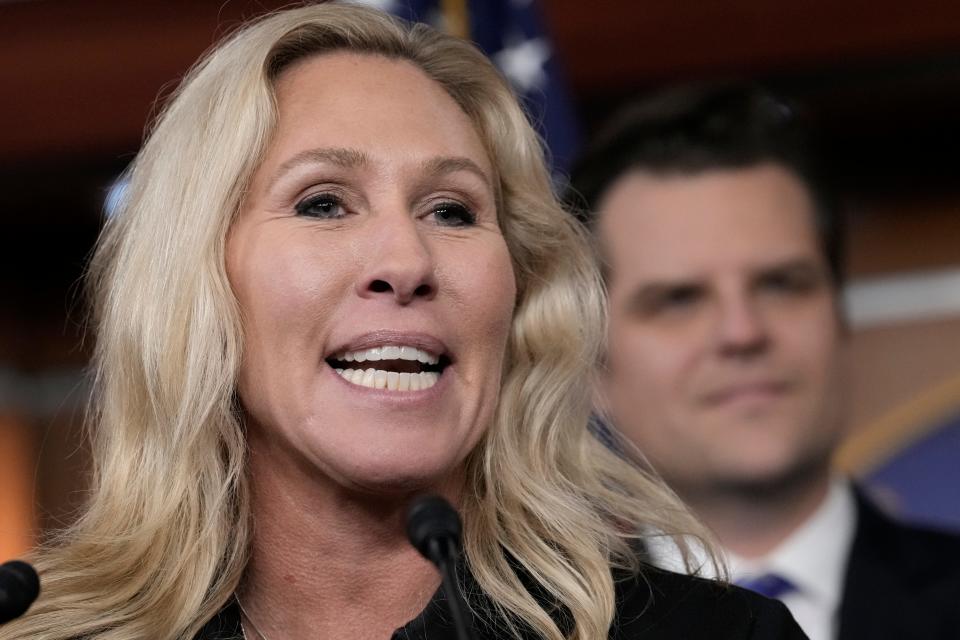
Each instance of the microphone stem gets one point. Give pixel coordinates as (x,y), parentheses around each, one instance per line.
(455,602)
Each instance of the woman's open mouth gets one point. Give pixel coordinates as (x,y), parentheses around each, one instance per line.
(391,367)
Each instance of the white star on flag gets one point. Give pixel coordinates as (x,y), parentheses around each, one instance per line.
(389,6)
(522,63)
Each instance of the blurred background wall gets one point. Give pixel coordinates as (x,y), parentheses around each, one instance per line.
(79,80)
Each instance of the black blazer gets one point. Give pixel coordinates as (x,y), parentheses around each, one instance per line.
(901,582)
(659,605)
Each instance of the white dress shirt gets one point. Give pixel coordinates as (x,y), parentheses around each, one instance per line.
(814,559)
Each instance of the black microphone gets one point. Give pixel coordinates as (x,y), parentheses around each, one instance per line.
(433,527)
(19,587)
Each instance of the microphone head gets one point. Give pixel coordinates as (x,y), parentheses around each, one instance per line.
(431,518)
(19,587)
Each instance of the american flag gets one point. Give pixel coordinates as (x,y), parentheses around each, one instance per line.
(512,34)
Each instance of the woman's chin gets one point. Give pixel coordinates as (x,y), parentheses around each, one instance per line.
(399,477)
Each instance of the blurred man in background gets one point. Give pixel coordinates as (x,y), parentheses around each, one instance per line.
(722,251)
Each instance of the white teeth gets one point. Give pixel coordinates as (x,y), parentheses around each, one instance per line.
(391,380)
(375,378)
(391,352)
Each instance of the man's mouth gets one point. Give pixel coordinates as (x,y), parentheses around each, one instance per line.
(747,392)
(390,367)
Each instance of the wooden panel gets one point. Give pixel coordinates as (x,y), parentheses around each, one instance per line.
(83,76)
(17,523)
(903,377)
(80,76)
(920,234)
(607,43)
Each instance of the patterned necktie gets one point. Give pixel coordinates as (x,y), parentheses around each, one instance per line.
(770,585)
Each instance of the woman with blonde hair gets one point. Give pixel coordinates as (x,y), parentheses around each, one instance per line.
(339,279)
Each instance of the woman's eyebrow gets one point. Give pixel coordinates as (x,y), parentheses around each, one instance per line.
(352,158)
(450,164)
(341,157)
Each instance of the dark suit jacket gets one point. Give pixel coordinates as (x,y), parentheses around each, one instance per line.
(901,583)
(657,606)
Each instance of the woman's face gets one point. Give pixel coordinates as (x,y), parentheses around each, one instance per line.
(375,285)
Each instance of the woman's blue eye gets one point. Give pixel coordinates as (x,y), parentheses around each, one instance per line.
(323,205)
(452,214)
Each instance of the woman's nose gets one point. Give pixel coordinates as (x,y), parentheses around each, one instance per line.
(400,264)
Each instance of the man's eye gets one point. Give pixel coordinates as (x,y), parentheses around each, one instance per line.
(452,214)
(668,301)
(677,298)
(323,205)
(789,283)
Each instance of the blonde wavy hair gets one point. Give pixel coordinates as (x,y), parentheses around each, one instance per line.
(164,540)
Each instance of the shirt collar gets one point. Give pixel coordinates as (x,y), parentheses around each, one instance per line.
(813,557)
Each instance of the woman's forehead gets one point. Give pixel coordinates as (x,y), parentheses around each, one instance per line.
(378,106)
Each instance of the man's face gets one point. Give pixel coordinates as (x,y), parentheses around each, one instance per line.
(724,343)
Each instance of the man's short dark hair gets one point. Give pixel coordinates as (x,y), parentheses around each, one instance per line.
(691,129)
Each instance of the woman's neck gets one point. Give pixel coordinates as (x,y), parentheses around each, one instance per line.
(326,560)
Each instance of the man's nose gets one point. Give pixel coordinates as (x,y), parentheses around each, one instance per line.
(400,263)
(741,326)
